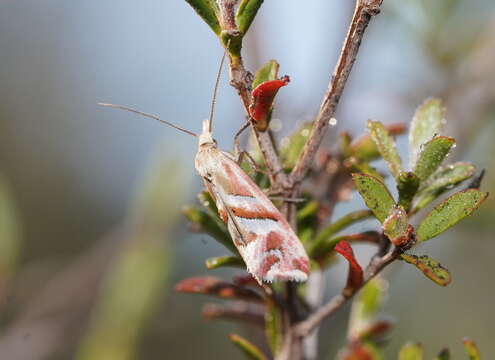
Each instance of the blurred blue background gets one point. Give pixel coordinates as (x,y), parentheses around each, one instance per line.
(73,172)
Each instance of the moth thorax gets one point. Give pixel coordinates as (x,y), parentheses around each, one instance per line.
(206,137)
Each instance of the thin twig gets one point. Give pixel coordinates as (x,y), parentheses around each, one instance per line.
(364,11)
(305,327)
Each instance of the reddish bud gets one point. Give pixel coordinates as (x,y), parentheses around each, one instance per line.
(263,96)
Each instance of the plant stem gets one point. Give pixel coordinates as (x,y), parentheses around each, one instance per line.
(364,11)
(305,327)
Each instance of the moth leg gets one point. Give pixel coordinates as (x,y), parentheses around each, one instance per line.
(292,200)
(237,140)
(244,155)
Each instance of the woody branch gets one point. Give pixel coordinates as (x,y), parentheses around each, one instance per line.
(364,11)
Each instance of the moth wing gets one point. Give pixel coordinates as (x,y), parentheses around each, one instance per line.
(263,237)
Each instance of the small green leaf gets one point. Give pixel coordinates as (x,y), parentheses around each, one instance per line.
(308,210)
(364,147)
(443,355)
(430,268)
(320,244)
(375,195)
(443,179)
(246,13)
(207,10)
(432,155)
(224,261)
(411,351)
(268,71)
(427,122)
(395,225)
(471,349)
(386,146)
(205,222)
(291,149)
(273,327)
(407,186)
(353,164)
(250,350)
(450,212)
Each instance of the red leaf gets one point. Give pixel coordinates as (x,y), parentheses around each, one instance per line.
(210,285)
(263,96)
(355,277)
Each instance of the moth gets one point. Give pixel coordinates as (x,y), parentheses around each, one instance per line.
(264,239)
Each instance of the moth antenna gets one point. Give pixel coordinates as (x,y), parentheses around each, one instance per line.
(215,90)
(122,107)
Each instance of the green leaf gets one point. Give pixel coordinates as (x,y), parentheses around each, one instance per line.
(207,10)
(309,210)
(319,246)
(386,146)
(375,195)
(268,71)
(396,224)
(450,212)
(445,178)
(427,122)
(203,221)
(364,147)
(471,349)
(246,13)
(224,261)
(407,186)
(273,327)
(250,350)
(292,148)
(353,164)
(432,156)
(430,268)
(411,351)
(443,355)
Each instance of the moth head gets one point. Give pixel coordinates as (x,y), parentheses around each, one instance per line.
(206,137)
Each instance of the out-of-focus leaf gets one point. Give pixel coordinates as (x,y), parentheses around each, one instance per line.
(443,355)
(386,146)
(323,252)
(355,274)
(209,285)
(248,348)
(235,311)
(365,149)
(9,234)
(432,155)
(471,349)
(375,195)
(449,212)
(375,330)
(407,186)
(246,13)
(427,122)
(320,243)
(430,268)
(366,306)
(273,327)
(207,10)
(269,71)
(210,225)
(308,210)
(361,351)
(263,96)
(443,179)
(396,225)
(137,277)
(291,149)
(411,351)
(224,261)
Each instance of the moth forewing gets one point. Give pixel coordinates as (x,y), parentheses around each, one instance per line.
(266,242)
